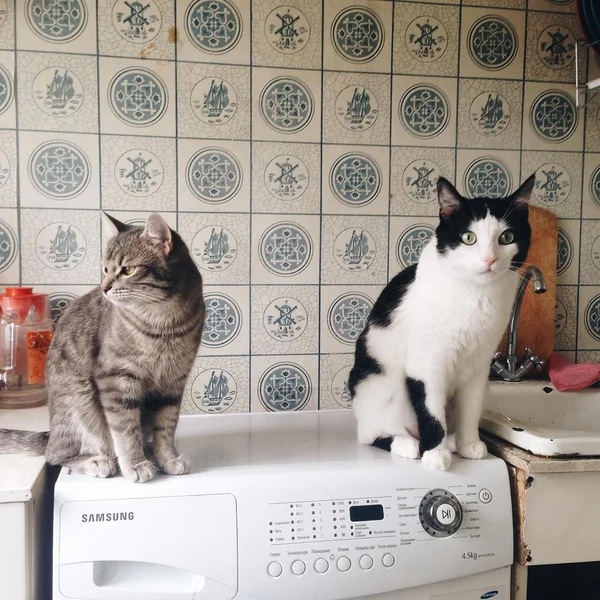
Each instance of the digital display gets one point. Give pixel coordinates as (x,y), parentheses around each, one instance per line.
(370,512)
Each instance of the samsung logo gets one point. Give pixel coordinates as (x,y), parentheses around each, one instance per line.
(489,595)
(106,517)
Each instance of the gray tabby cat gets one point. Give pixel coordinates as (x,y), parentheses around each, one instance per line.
(119,361)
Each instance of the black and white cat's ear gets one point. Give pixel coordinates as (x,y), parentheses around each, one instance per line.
(522,196)
(448,198)
(117,226)
(158,233)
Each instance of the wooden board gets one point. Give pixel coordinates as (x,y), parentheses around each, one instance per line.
(536,321)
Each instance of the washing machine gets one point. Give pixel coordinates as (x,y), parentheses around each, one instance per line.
(286,507)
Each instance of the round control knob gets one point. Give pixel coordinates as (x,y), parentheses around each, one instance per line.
(440,513)
(321,565)
(366,562)
(298,567)
(388,560)
(343,564)
(274,569)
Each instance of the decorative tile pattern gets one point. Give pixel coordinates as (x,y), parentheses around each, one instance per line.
(296,148)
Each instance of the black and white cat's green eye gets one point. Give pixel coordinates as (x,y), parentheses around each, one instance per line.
(507,237)
(128,271)
(468,238)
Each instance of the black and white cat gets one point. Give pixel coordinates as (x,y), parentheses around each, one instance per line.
(422,362)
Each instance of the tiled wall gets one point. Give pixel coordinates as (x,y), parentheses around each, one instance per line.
(295,147)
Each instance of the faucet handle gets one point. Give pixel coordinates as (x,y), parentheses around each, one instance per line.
(536,361)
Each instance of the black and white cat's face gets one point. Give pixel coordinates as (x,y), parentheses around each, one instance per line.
(483,238)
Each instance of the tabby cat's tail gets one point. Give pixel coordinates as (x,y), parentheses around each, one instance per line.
(23,442)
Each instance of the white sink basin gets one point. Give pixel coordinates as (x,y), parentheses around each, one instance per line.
(546,423)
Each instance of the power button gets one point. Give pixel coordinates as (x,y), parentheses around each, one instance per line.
(485,496)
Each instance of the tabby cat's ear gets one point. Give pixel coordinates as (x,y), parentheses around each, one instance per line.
(448,198)
(158,233)
(120,227)
(522,196)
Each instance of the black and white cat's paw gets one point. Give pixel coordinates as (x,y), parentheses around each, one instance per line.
(473,450)
(405,446)
(438,459)
(177,466)
(141,472)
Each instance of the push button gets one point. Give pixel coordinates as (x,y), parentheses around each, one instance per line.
(298,567)
(445,514)
(366,562)
(274,569)
(388,560)
(485,496)
(321,565)
(343,563)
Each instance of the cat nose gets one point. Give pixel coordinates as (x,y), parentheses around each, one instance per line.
(106,287)
(489,260)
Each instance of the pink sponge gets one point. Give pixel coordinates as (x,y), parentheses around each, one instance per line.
(566,376)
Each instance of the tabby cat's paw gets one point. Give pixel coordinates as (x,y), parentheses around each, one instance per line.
(141,473)
(473,450)
(177,466)
(101,466)
(438,459)
(405,446)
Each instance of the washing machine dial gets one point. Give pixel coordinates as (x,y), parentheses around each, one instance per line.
(440,513)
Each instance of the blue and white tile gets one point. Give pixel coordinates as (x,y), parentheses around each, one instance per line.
(354,250)
(57,25)
(138,173)
(213,101)
(355,180)
(286,178)
(61,296)
(433,1)
(344,312)
(286,105)
(58,92)
(493,173)
(10,247)
(408,237)
(214,31)
(7,90)
(492,45)
(217,384)
(284,383)
(426,39)
(358,37)
(287,36)
(213,175)
(424,111)
(219,244)
(551,39)
(285,319)
(415,172)
(591,186)
(569,6)
(285,249)
(557,181)
(565,319)
(589,272)
(7,24)
(139,30)
(227,320)
(567,261)
(137,97)
(8,169)
(489,113)
(592,121)
(135,218)
(356,108)
(335,371)
(522,4)
(60,246)
(552,121)
(588,333)
(59,170)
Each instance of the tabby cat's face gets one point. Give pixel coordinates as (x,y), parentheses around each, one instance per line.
(483,238)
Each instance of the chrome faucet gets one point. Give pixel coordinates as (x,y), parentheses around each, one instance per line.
(508,367)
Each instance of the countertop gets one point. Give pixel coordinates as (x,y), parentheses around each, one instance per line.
(19,473)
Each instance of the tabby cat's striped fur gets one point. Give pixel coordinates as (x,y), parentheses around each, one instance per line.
(119,361)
